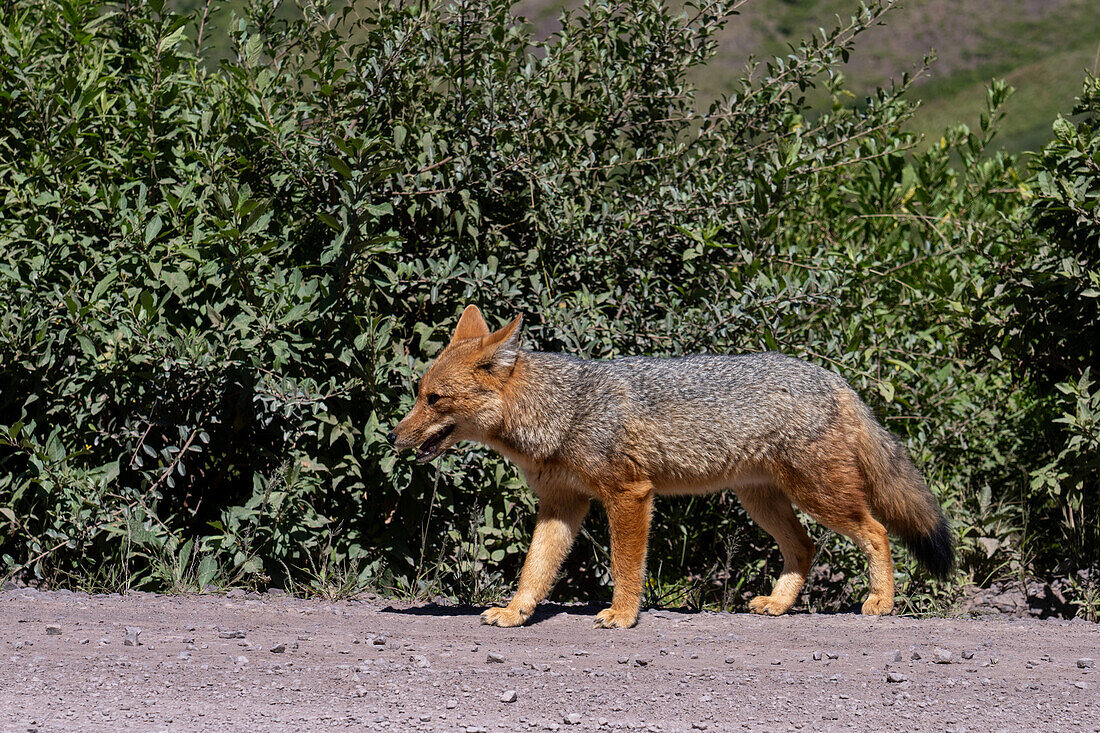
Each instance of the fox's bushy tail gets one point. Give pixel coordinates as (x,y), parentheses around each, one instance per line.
(901,500)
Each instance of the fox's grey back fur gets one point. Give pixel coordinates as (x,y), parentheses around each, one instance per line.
(694,416)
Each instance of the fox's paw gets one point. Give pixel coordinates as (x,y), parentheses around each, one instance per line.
(610,618)
(768,606)
(503,617)
(877,605)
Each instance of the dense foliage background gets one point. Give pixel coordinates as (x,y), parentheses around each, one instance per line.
(220,279)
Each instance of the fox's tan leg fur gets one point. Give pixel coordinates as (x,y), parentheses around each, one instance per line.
(774,513)
(845,508)
(629,511)
(556,527)
(871,537)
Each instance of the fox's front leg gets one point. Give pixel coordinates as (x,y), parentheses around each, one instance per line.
(558,521)
(629,510)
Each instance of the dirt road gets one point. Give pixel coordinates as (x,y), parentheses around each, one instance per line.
(277,663)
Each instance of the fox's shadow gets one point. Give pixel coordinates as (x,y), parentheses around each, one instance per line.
(542,612)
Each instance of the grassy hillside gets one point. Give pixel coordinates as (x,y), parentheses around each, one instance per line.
(1042,47)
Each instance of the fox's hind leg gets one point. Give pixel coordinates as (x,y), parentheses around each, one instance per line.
(769,508)
(870,536)
(845,508)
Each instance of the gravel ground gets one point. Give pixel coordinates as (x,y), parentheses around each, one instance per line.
(144,662)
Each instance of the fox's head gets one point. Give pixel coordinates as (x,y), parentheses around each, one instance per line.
(460,397)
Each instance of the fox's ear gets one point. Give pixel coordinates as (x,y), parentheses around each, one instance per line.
(502,347)
(471,325)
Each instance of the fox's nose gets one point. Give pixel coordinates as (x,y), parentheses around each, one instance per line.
(391,437)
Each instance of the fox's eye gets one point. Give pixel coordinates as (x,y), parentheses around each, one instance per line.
(433,398)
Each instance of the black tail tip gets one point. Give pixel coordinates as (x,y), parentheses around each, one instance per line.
(935,550)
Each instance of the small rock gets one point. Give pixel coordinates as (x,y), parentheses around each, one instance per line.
(896,677)
(508,696)
(968,654)
(894,656)
(641,662)
(624,660)
(278,648)
(452,704)
(1081,685)
(132,634)
(378,641)
(235,593)
(231,634)
(698,726)
(494,658)
(53,630)
(421,661)
(914,655)
(777,661)
(573,719)
(1085,663)
(242,659)
(941,656)
(832,655)
(730,660)
(817,656)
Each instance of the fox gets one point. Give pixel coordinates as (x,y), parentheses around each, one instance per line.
(780,432)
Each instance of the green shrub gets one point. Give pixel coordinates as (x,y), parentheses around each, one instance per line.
(1044,323)
(222,280)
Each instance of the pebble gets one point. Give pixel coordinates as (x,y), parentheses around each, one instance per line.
(495,658)
(508,696)
(817,656)
(895,677)
(573,719)
(968,654)
(422,662)
(53,630)
(1085,663)
(233,634)
(641,662)
(941,656)
(1081,685)
(914,655)
(132,634)
(278,648)
(730,660)
(895,656)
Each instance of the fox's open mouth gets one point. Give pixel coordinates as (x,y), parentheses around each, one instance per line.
(433,446)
